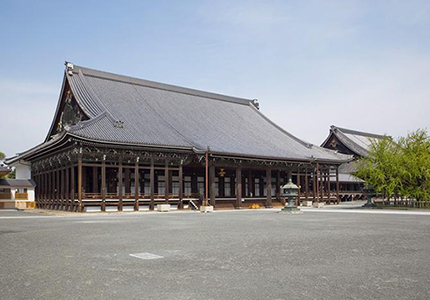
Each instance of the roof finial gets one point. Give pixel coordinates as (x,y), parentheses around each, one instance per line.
(256,104)
(69,67)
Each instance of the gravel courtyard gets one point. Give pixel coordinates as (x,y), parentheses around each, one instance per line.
(223,255)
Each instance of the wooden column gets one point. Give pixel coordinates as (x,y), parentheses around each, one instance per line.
(120,196)
(80,208)
(181,186)
(238,187)
(67,179)
(152,184)
(337,185)
(166,181)
(103,207)
(268,188)
(63,189)
(58,187)
(136,185)
(306,184)
(72,190)
(95,180)
(328,186)
(299,183)
(316,180)
(212,184)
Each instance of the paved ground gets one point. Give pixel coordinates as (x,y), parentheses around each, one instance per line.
(224,255)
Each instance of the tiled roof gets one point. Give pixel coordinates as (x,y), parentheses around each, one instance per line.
(19,183)
(357,141)
(133,111)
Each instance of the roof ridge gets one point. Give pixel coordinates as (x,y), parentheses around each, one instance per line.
(352,131)
(304,143)
(158,85)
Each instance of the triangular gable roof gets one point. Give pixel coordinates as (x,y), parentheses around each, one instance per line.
(126,110)
(356,141)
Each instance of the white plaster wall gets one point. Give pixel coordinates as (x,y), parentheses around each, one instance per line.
(30,193)
(23,171)
(12,193)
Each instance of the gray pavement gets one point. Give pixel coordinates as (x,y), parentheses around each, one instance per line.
(224,255)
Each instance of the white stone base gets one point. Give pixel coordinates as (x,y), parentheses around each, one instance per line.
(307,203)
(206,209)
(163,207)
(319,204)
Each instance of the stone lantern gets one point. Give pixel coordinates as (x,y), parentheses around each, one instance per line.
(369,193)
(290,191)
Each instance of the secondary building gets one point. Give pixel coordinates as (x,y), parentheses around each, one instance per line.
(357,144)
(122,143)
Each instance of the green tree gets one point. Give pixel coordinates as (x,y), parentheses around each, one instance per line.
(398,168)
(2,156)
(415,165)
(381,167)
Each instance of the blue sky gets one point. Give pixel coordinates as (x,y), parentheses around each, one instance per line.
(363,65)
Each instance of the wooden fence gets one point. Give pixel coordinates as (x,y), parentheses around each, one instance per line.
(404,203)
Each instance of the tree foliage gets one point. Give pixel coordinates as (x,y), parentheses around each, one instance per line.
(398,168)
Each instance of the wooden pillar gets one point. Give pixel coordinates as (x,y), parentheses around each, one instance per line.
(306,184)
(120,196)
(328,185)
(63,189)
(103,207)
(67,179)
(136,185)
(95,180)
(80,208)
(316,179)
(238,187)
(53,183)
(72,189)
(152,184)
(268,188)
(181,186)
(166,181)
(299,184)
(212,184)
(337,185)
(206,179)
(58,189)
(278,185)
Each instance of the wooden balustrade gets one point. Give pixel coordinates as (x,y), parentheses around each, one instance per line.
(21,196)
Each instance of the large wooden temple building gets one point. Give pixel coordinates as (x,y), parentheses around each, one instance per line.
(121,143)
(357,144)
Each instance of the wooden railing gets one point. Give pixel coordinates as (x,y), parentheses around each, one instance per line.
(5,196)
(21,196)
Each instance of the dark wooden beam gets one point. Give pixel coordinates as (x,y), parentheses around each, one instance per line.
(238,187)
(166,181)
(181,186)
(136,185)
(212,184)
(337,185)
(72,190)
(268,188)
(152,184)
(120,195)
(80,208)
(96,179)
(103,207)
